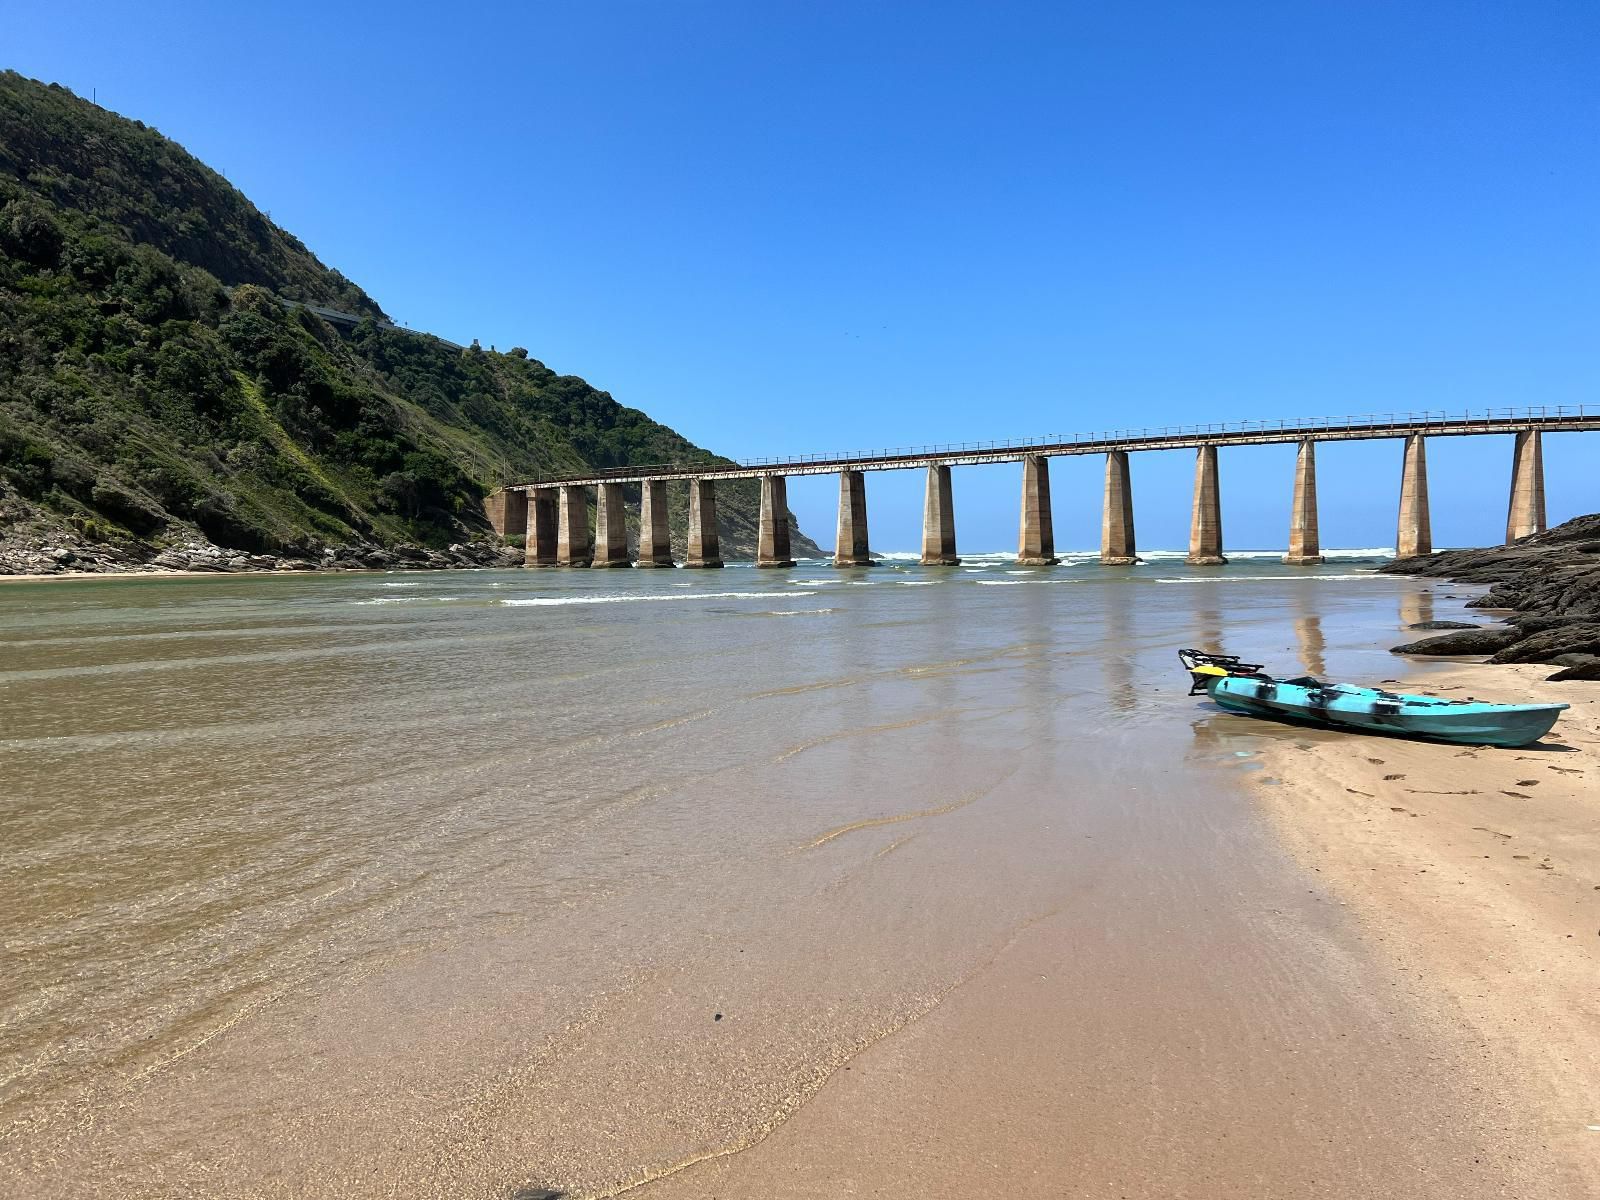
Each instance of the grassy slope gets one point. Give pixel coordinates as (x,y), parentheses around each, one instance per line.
(152,384)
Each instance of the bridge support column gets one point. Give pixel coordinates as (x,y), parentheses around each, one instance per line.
(1205,520)
(938,520)
(610,528)
(1117,544)
(850,550)
(1415,534)
(542,539)
(772,538)
(507,511)
(1036,540)
(1526,514)
(1305,547)
(655,537)
(704,549)
(572,528)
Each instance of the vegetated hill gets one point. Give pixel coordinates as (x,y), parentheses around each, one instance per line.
(155,386)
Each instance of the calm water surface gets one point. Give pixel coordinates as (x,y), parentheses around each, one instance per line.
(377,861)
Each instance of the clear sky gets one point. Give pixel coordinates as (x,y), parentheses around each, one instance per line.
(787,226)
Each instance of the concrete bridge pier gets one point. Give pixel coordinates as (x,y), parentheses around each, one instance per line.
(938,519)
(850,550)
(772,537)
(655,537)
(1526,514)
(507,510)
(1305,547)
(610,528)
(1036,540)
(1117,544)
(1415,534)
(572,528)
(704,550)
(1205,521)
(542,539)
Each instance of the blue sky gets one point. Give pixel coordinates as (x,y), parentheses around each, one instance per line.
(792,227)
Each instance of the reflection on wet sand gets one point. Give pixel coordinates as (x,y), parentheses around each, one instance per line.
(1416,606)
(1117,659)
(1209,629)
(1308,636)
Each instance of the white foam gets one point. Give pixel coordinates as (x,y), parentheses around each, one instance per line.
(559,601)
(1220,578)
(1009,558)
(1375,552)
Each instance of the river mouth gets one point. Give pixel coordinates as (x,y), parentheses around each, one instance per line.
(468,882)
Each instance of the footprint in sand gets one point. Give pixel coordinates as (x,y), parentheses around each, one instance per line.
(1353,792)
(1389,777)
(1517,795)
(1567,770)
(1495,832)
(1392,808)
(1527,783)
(1377,762)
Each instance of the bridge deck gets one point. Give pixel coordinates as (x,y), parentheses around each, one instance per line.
(1570,419)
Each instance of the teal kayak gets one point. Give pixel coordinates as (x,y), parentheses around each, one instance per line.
(1243,688)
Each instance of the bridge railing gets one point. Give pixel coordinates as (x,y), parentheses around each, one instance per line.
(1420,421)
(1423,419)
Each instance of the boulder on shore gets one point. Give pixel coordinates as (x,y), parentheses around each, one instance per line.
(1474,641)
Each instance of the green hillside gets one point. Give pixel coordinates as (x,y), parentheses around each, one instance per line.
(160,378)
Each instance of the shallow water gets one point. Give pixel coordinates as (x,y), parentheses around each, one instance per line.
(493,878)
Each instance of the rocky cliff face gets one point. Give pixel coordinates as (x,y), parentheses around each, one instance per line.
(1550,585)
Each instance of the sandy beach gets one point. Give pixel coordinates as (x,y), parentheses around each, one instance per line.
(1477,873)
(507,884)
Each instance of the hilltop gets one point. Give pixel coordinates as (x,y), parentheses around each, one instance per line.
(166,378)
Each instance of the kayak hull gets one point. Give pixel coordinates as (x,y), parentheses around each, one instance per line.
(1343,706)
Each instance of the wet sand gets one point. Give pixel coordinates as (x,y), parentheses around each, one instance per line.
(483,884)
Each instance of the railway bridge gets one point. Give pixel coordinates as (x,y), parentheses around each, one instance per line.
(553,512)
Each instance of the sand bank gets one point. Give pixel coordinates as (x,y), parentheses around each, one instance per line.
(1477,872)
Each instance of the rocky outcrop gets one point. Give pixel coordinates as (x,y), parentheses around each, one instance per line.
(1549,585)
(1476,641)
(65,556)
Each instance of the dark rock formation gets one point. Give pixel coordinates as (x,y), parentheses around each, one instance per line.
(78,557)
(1550,585)
(1476,641)
(1444,625)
